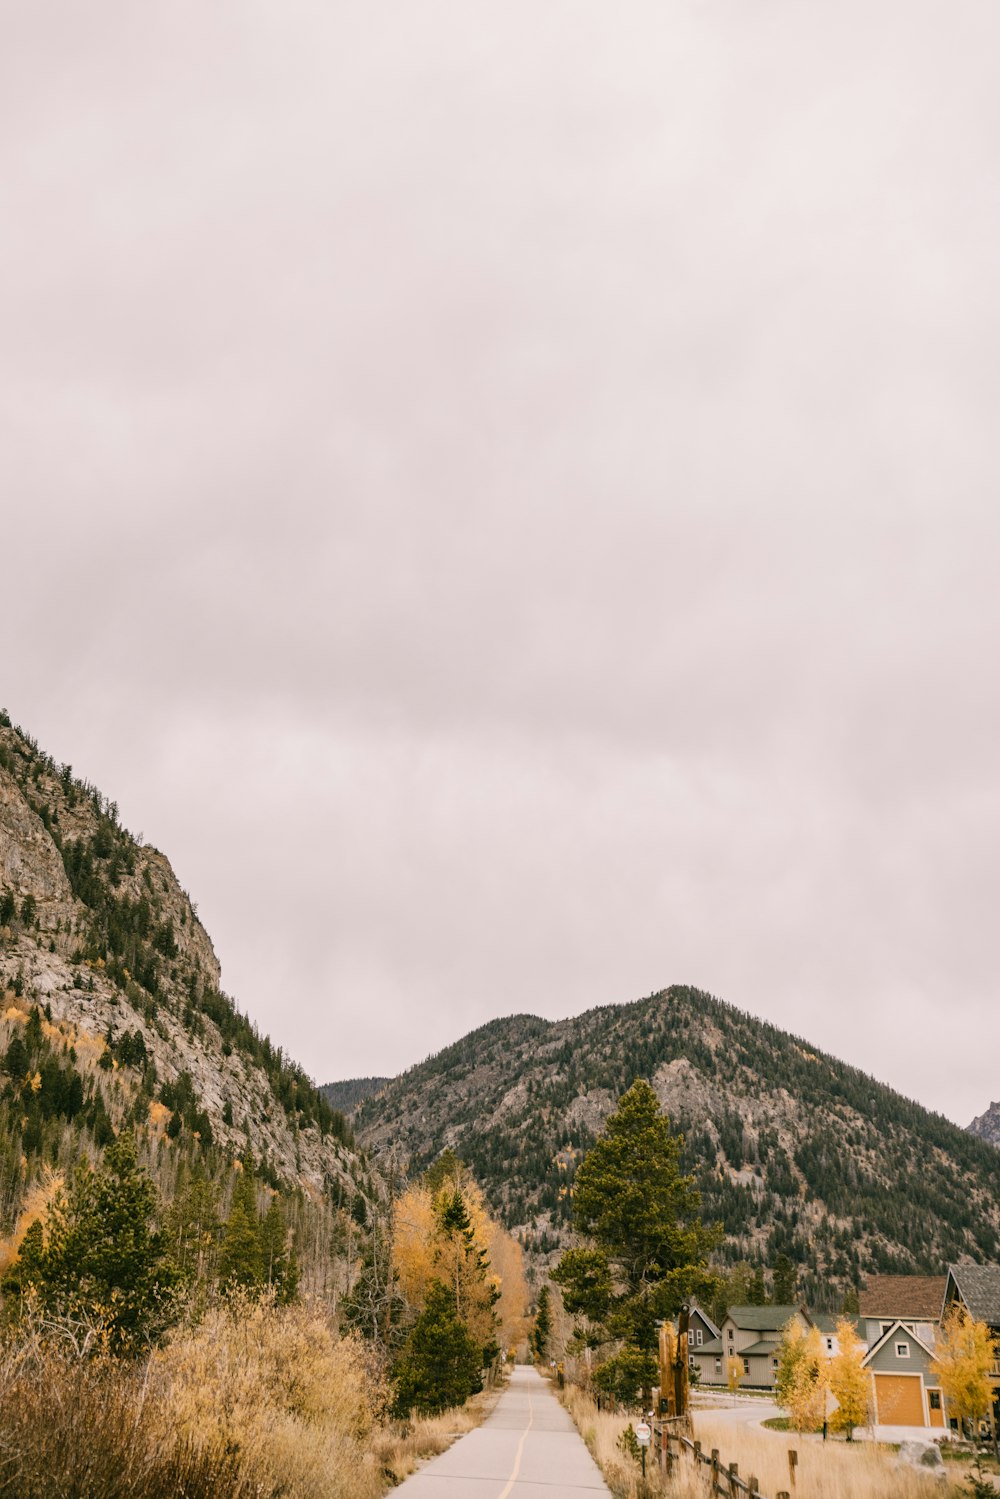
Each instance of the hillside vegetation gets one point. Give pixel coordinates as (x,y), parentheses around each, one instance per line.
(112,1016)
(793,1151)
(205,1289)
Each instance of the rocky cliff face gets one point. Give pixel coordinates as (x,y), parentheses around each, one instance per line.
(987,1126)
(94,925)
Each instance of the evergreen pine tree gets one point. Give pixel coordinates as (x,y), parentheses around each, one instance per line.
(278,1265)
(645,1250)
(785,1281)
(440,1366)
(542,1330)
(99,1258)
(241,1259)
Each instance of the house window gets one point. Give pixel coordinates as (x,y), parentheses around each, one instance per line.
(883,1328)
(718,1366)
(774,1365)
(934,1396)
(829,1345)
(698,1336)
(902,1350)
(746,1366)
(730,1335)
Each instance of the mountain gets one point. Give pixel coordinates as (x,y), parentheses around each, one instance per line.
(794,1152)
(110,981)
(987,1126)
(346,1095)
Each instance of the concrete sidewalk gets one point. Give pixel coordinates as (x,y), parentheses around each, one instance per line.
(527,1449)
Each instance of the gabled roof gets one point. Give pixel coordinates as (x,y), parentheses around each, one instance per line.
(979,1287)
(755,1350)
(704,1317)
(905,1332)
(828,1322)
(764,1318)
(903,1296)
(714,1346)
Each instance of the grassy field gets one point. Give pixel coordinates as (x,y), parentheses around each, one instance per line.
(859,1470)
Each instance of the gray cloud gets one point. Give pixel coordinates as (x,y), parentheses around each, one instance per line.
(505,499)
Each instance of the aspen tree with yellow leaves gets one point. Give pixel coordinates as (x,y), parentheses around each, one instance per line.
(803,1377)
(963,1356)
(848,1381)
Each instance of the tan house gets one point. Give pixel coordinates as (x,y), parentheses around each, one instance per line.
(751,1334)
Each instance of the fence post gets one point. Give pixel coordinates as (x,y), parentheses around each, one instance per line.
(793,1462)
(734,1473)
(782,1494)
(752,1485)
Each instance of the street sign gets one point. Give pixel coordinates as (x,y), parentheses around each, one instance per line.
(642,1433)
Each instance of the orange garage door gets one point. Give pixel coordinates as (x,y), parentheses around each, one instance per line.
(899,1399)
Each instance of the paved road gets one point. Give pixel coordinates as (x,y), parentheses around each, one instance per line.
(745,1413)
(528,1449)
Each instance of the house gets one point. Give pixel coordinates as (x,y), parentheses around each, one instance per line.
(828,1325)
(914,1300)
(702,1332)
(977,1289)
(752,1334)
(903,1388)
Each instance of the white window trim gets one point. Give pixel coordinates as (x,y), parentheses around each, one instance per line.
(902,1350)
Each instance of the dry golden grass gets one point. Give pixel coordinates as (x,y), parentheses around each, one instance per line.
(826,1470)
(279,1386)
(255,1402)
(601,1430)
(401,1447)
(834,1470)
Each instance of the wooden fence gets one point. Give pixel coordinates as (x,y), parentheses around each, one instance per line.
(674,1447)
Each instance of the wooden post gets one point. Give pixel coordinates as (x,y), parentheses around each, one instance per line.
(793,1462)
(752,1485)
(668,1352)
(734,1473)
(715,1471)
(783,1494)
(680,1369)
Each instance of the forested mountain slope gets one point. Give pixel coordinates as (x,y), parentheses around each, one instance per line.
(113,1015)
(350,1092)
(795,1152)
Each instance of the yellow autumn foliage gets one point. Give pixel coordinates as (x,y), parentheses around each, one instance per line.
(963,1356)
(421,1254)
(36,1205)
(848,1380)
(159,1114)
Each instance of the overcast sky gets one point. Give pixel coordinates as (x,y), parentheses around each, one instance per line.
(505,496)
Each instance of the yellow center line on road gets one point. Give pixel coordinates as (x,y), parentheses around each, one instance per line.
(520,1452)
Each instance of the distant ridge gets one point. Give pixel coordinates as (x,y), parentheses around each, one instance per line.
(345,1096)
(987,1126)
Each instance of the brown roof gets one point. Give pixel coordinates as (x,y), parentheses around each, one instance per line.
(903,1296)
